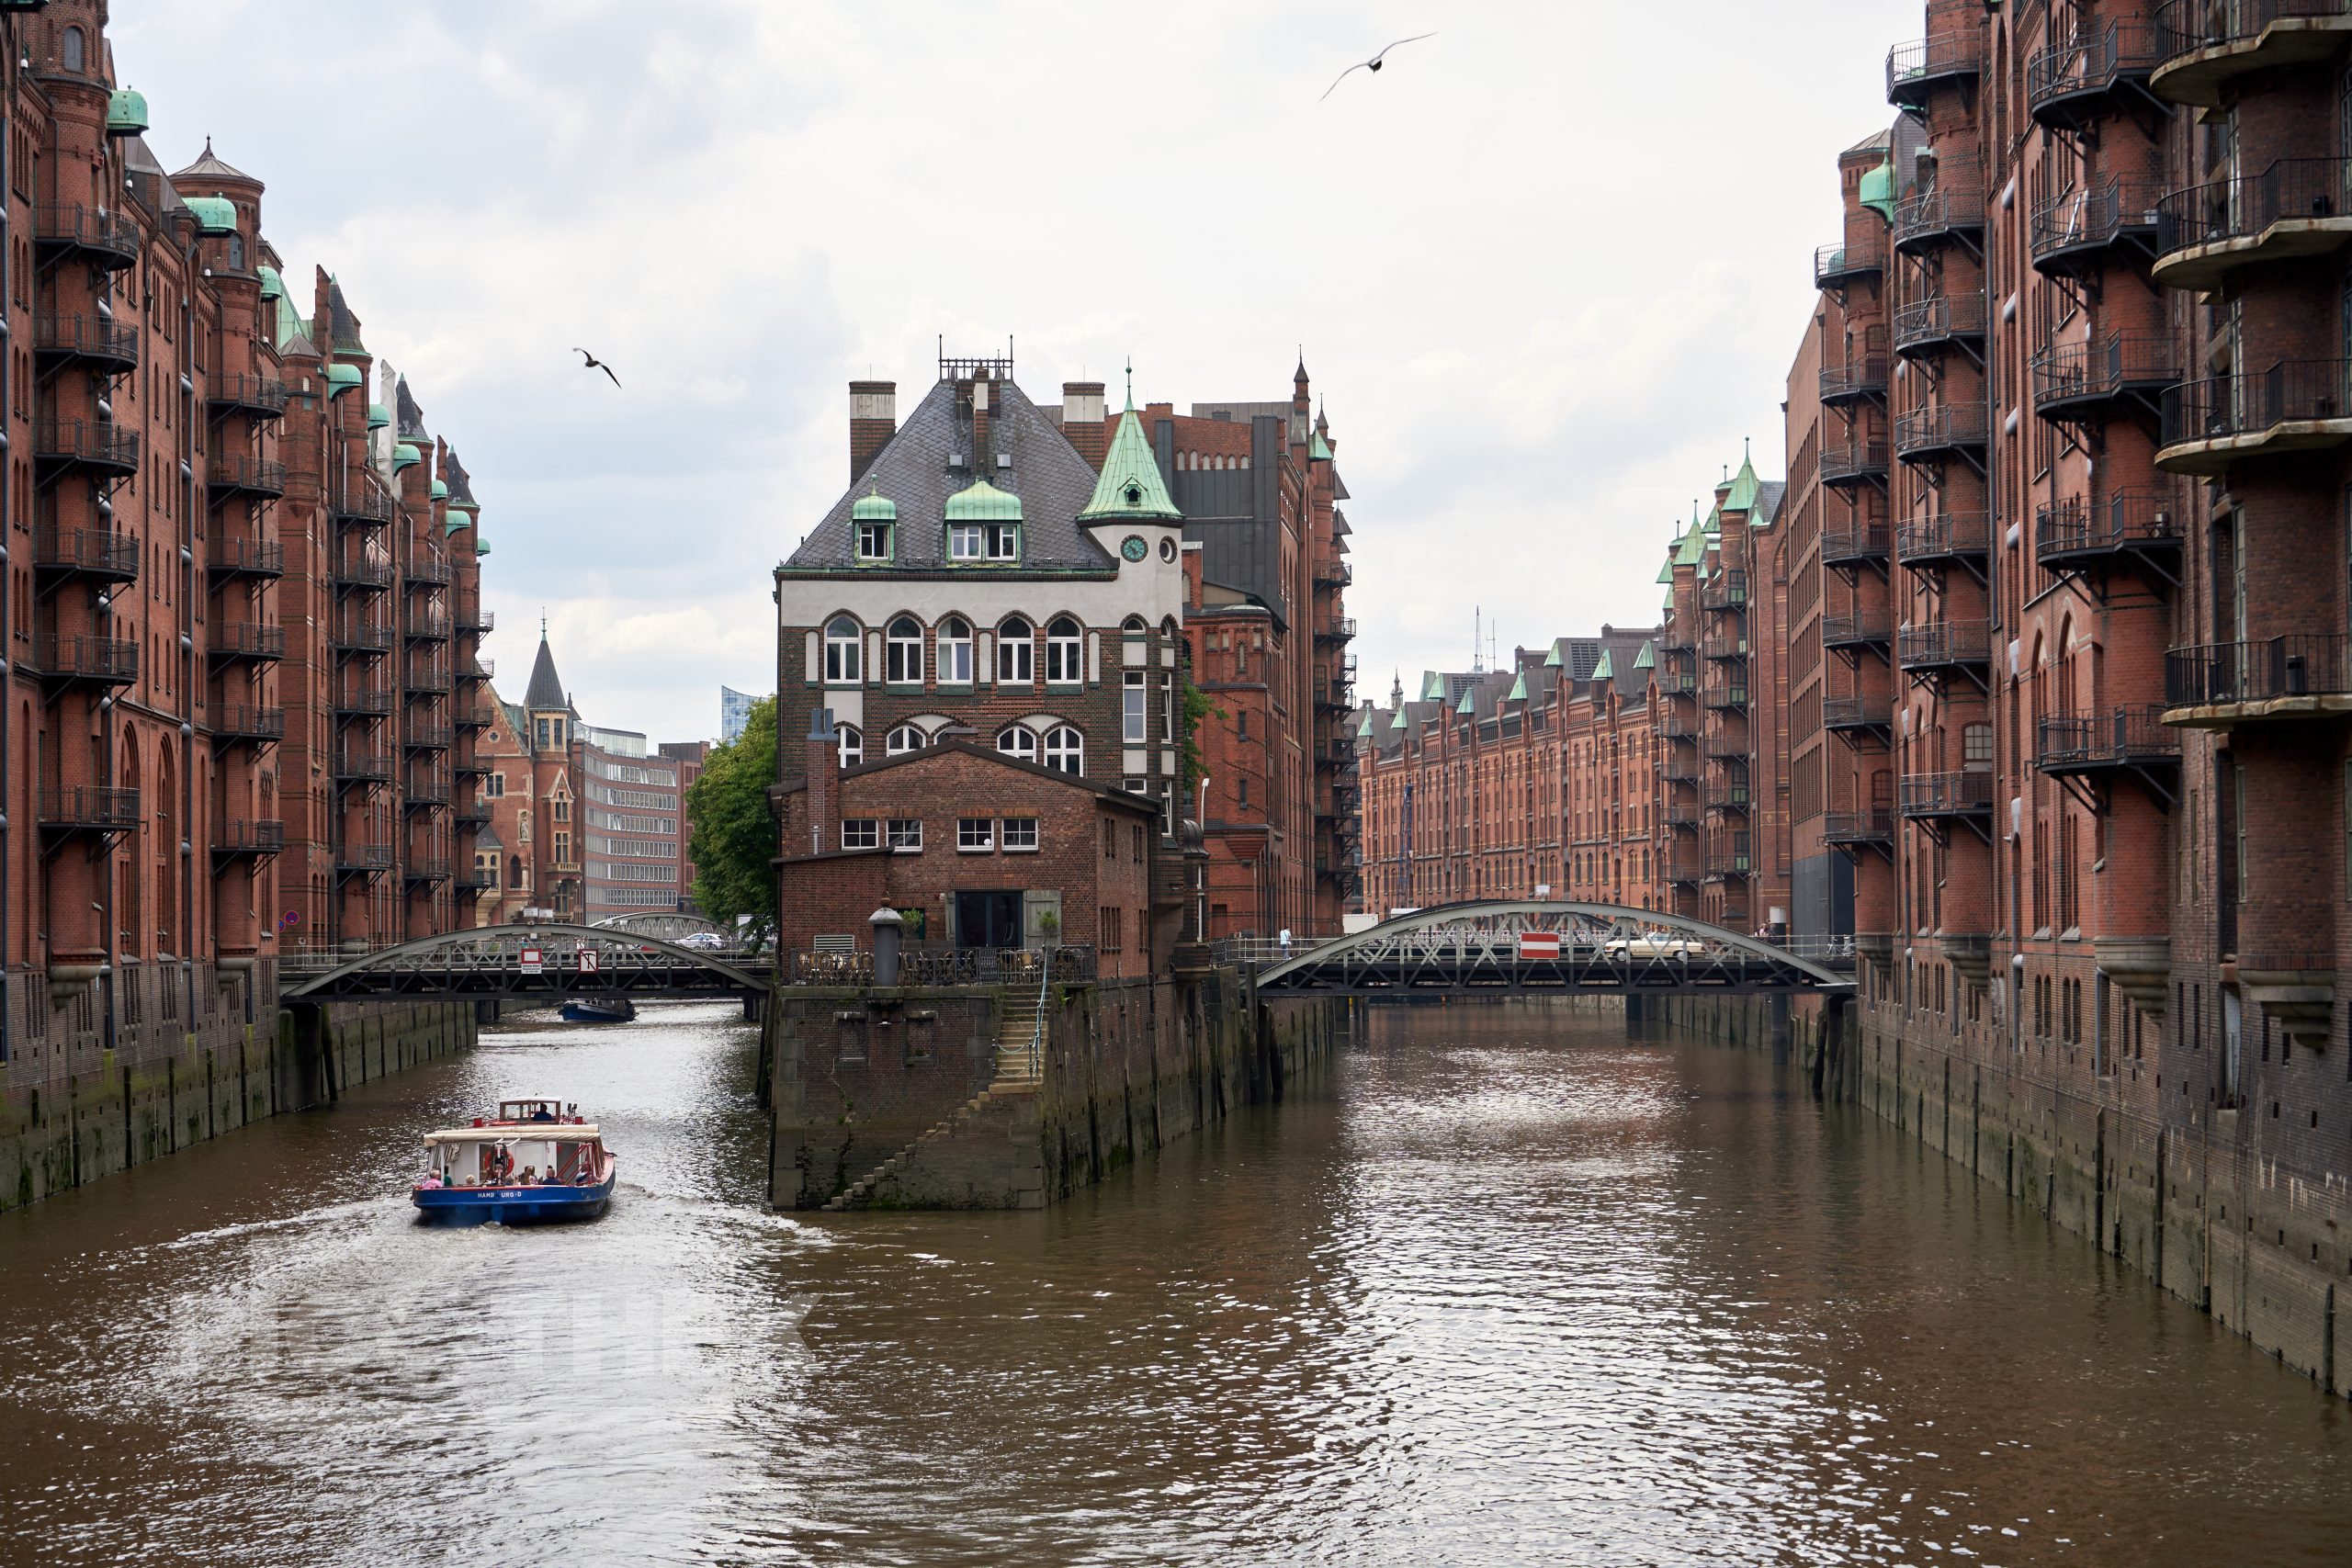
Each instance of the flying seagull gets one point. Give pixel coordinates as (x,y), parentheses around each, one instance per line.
(1372,64)
(596,364)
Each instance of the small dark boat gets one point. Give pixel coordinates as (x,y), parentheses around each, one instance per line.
(616,1009)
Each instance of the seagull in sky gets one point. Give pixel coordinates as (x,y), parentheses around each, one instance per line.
(596,364)
(1372,64)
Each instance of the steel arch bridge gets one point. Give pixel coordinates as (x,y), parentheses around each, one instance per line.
(1482,948)
(663,923)
(493,962)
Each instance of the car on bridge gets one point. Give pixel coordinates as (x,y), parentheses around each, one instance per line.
(1653,945)
(703,942)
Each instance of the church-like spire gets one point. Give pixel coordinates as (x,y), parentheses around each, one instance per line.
(1129,488)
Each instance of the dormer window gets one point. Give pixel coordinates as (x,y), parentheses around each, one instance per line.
(964,542)
(1135,495)
(1004,541)
(874,541)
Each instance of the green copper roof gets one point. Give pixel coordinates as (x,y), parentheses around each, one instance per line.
(1693,549)
(482,546)
(1670,601)
(983,503)
(1878,190)
(403,454)
(214,214)
(1317,448)
(340,378)
(457,520)
(272,286)
(461,504)
(1130,487)
(1398,722)
(440,489)
(873,507)
(1715,519)
(1666,567)
(1604,670)
(1364,728)
(1552,659)
(1743,485)
(1647,658)
(1432,686)
(1518,692)
(126,112)
(379,416)
(1466,706)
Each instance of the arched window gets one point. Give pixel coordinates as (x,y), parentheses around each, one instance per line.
(841,651)
(1064,663)
(1018,741)
(70,50)
(955,651)
(853,744)
(1016,652)
(1064,749)
(904,650)
(1134,627)
(902,739)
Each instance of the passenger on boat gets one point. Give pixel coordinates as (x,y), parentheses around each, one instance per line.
(432,1179)
(543,1114)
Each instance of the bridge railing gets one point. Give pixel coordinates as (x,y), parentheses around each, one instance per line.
(941,965)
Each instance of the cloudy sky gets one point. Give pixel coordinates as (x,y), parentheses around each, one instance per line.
(1549,268)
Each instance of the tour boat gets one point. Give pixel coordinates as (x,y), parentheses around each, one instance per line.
(535,1160)
(615,1009)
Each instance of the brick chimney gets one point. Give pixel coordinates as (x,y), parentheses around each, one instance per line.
(1082,421)
(825,786)
(873,420)
(983,455)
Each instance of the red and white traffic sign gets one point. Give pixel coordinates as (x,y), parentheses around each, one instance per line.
(531,964)
(1538,944)
(587,961)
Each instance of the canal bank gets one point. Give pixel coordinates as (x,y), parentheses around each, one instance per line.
(133,1065)
(2218,1208)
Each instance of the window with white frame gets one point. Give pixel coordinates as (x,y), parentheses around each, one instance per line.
(1064,749)
(903,739)
(964,542)
(1064,652)
(905,835)
(861,833)
(1134,715)
(1018,741)
(841,651)
(853,744)
(975,835)
(874,541)
(954,662)
(1020,835)
(1004,541)
(1016,653)
(903,652)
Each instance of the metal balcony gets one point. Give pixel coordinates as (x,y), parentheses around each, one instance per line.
(1939,324)
(2133,740)
(1334,574)
(361,573)
(424,872)
(2298,675)
(363,767)
(84,808)
(2128,529)
(244,722)
(475,717)
(104,239)
(1842,633)
(1853,463)
(97,343)
(360,638)
(2123,373)
(425,569)
(2297,405)
(1856,544)
(97,553)
(431,628)
(1725,591)
(2296,208)
(472,884)
(237,556)
(363,701)
(1851,716)
(362,507)
(1939,435)
(1725,649)
(1914,68)
(1860,257)
(1336,628)
(1873,829)
(424,680)
(235,642)
(1961,538)
(1728,862)
(1728,749)
(2207,47)
(262,397)
(2082,232)
(88,660)
(477,669)
(1726,698)
(1858,380)
(1933,797)
(1680,815)
(362,860)
(1952,213)
(2068,86)
(238,474)
(424,794)
(472,619)
(475,817)
(248,840)
(1681,871)
(1942,649)
(96,443)
(468,766)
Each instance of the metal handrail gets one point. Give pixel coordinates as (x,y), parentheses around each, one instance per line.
(1037,1028)
(2243,207)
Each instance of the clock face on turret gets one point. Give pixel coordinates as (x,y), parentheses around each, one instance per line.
(1134,548)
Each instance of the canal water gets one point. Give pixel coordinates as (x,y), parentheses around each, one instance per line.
(1503,1287)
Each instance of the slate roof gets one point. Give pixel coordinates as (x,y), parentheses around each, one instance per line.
(343,327)
(209,167)
(1052,480)
(545,691)
(409,419)
(461,485)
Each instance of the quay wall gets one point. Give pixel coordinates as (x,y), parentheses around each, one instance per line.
(105,1075)
(2207,1206)
(865,1078)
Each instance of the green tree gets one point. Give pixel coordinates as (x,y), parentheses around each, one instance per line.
(734,840)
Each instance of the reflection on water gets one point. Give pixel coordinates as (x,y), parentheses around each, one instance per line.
(1506,1288)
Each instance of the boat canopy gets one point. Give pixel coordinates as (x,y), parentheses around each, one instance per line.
(520,1132)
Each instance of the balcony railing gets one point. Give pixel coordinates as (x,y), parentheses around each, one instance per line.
(246,721)
(424,680)
(360,571)
(1726,749)
(246,639)
(110,238)
(246,475)
(1334,574)
(2067,83)
(435,870)
(2296,405)
(1954,536)
(2120,738)
(238,557)
(363,766)
(1930,326)
(1336,628)
(1854,543)
(2296,665)
(1863,254)
(1846,713)
(1944,644)
(1933,433)
(1726,699)
(363,857)
(425,791)
(2077,534)
(109,660)
(362,636)
(1728,859)
(429,627)
(2206,45)
(98,552)
(2084,229)
(1967,794)
(262,395)
(1854,381)
(95,443)
(477,668)
(87,809)
(1913,68)
(101,340)
(474,717)
(1725,590)
(1854,461)
(1857,630)
(368,701)
(239,840)
(2296,207)
(473,619)
(1725,649)
(425,568)
(1951,209)
(2071,380)
(1875,826)
(366,507)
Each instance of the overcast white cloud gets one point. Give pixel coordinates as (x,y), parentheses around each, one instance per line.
(1549,268)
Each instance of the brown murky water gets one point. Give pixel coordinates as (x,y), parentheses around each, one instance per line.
(1505,1289)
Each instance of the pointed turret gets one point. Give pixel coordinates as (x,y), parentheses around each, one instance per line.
(545,694)
(1742,495)
(1129,488)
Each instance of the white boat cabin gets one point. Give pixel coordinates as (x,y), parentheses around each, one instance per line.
(522,1155)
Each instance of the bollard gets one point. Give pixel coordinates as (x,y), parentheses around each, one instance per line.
(889,928)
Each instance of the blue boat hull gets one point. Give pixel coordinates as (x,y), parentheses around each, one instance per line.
(598,1013)
(514,1205)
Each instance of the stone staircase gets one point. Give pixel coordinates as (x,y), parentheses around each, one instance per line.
(986,1152)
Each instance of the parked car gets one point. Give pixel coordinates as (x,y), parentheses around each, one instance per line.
(704,941)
